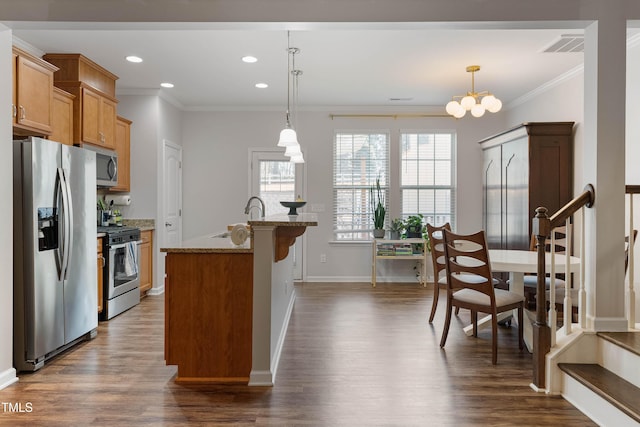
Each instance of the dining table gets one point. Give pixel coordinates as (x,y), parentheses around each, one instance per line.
(518,263)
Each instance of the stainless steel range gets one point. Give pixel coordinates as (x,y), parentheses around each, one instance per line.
(121,271)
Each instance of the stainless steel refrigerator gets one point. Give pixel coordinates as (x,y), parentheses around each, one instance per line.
(55,271)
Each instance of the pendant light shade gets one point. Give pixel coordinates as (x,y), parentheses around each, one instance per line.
(293,150)
(288,135)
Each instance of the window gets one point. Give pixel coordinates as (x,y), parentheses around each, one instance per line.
(359,159)
(427,176)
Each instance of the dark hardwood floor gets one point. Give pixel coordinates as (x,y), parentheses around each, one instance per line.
(354,356)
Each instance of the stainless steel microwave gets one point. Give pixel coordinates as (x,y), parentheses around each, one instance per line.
(106,166)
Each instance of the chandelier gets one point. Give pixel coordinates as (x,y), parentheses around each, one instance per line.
(472,102)
(288,135)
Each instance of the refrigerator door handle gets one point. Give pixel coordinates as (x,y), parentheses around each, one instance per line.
(69,223)
(59,204)
(64,224)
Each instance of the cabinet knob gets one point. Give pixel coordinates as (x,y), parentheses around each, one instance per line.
(23,113)
(15,110)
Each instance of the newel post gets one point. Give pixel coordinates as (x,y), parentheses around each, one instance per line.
(541,330)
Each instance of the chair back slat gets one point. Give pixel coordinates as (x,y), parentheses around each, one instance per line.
(436,240)
(467,262)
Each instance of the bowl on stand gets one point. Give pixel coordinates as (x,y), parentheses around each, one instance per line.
(293,206)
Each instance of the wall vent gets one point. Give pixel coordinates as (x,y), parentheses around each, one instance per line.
(567,43)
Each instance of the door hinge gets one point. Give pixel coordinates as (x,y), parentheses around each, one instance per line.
(179,212)
(180,164)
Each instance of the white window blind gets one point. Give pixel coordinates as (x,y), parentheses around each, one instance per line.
(359,159)
(427,174)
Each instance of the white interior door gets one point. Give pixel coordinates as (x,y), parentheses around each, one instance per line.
(274,178)
(169,231)
(172,215)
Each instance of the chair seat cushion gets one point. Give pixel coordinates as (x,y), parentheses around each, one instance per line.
(560,296)
(531,281)
(474,297)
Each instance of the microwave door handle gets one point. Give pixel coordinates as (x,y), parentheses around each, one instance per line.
(69,222)
(112,165)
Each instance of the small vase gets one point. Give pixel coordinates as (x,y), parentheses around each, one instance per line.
(378,233)
(394,235)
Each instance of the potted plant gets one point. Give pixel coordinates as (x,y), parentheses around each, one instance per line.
(413,225)
(378,209)
(397,227)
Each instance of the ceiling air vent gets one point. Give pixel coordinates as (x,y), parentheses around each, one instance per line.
(567,43)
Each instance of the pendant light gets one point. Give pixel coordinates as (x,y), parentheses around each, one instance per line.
(288,135)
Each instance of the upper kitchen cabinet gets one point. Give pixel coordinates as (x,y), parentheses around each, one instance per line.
(525,167)
(94,107)
(123,148)
(62,123)
(32,94)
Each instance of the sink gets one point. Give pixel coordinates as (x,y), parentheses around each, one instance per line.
(224,235)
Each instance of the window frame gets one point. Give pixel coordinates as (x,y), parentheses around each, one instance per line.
(451,187)
(365,233)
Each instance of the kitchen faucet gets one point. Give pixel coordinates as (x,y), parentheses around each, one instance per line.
(247,208)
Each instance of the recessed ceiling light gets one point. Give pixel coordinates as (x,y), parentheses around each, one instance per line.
(262,85)
(132,58)
(169,85)
(249,59)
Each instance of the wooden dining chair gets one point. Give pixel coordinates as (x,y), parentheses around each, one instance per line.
(470,286)
(436,241)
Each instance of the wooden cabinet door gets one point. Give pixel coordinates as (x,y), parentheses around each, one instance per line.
(34,95)
(146,261)
(123,148)
(62,123)
(90,117)
(107,129)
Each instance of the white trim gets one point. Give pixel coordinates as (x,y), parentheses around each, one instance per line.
(546,86)
(160,93)
(275,359)
(7,378)
(260,378)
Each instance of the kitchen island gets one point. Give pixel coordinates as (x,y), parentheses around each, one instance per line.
(227,307)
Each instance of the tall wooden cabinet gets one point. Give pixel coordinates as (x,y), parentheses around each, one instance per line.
(525,167)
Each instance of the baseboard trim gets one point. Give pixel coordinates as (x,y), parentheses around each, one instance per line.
(361,279)
(156,291)
(260,378)
(7,378)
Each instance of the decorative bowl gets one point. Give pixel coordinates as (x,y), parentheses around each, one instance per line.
(293,206)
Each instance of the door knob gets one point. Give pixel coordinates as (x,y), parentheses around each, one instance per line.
(167,224)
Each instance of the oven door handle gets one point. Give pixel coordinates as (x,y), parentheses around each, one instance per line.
(124,245)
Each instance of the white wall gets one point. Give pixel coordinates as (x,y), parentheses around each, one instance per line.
(7,373)
(216,166)
(154,120)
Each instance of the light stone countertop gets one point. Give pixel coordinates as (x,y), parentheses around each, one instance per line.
(221,242)
(302,219)
(211,243)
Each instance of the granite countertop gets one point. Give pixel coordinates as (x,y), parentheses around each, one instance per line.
(142,224)
(211,243)
(300,220)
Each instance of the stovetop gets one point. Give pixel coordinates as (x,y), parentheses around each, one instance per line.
(118,235)
(115,229)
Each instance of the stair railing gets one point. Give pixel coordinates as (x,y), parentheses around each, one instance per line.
(542,226)
(630,294)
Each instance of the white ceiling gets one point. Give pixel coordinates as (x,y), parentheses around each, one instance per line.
(341,67)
